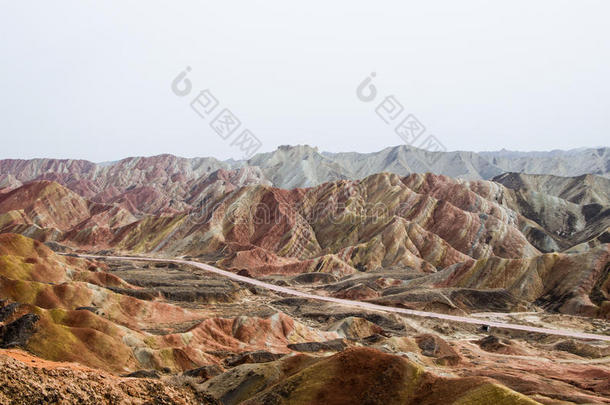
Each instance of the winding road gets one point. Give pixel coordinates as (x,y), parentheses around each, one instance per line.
(360,304)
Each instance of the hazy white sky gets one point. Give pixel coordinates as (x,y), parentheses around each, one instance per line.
(91,79)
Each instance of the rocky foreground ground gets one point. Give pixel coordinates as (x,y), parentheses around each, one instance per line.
(79,331)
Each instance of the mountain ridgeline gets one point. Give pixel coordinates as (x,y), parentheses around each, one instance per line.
(504,239)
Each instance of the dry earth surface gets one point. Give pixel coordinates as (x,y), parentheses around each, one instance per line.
(326,286)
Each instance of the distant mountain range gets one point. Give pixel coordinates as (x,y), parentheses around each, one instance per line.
(305,166)
(167,184)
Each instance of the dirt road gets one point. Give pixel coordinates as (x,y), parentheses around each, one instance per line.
(360,304)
